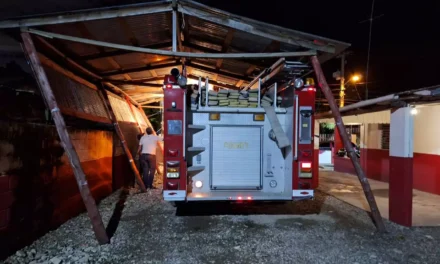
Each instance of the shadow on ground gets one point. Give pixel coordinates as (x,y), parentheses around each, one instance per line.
(117,213)
(251,208)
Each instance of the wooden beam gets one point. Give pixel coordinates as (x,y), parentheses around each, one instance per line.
(215,71)
(256,28)
(268,70)
(250,70)
(140,69)
(273,46)
(81,68)
(146,91)
(49,63)
(82,115)
(239,83)
(120,92)
(215,83)
(347,144)
(69,58)
(122,139)
(209,50)
(151,101)
(96,14)
(106,54)
(49,97)
(226,44)
(154,107)
(174,53)
(132,82)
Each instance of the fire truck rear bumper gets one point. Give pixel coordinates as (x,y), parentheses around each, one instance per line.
(174,195)
(303,194)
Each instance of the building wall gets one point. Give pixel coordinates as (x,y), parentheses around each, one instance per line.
(427,149)
(375,160)
(38,190)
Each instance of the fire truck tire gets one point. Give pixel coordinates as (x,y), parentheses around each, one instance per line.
(177,204)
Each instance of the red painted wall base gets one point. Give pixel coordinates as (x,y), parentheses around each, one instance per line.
(427,173)
(401,190)
(376,164)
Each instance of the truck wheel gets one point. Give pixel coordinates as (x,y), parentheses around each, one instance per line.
(177,204)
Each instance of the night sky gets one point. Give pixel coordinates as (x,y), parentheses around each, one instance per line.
(405,36)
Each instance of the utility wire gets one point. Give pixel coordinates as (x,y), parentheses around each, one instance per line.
(369,49)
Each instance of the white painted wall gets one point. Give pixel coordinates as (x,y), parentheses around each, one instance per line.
(427,130)
(373,136)
(382,117)
(402,133)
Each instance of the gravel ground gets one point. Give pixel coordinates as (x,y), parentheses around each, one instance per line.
(325,230)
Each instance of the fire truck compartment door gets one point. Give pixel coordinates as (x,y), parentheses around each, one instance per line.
(236,157)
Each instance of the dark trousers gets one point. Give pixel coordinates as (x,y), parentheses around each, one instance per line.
(148,165)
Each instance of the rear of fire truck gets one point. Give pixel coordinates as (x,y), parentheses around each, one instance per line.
(233,152)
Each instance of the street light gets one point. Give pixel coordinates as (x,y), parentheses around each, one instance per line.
(355,78)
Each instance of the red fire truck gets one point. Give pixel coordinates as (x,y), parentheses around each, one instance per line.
(218,149)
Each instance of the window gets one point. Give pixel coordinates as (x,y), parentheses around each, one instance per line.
(385,136)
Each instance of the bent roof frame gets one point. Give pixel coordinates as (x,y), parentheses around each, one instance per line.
(200,29)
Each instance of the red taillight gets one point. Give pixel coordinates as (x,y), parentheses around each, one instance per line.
(311,89)
(239,198)
(169,86)
(173,152)
(249,198)
(172,186)
(306,165)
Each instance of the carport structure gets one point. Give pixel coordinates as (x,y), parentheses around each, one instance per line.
(133,47)
(96,64)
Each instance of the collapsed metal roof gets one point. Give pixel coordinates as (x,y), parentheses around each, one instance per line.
(97,44)
(421,96)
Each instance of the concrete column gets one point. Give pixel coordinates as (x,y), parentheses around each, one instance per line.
(401,166)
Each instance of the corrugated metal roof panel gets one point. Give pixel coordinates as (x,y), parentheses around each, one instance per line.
(151,29)
(205,29)
(134,60)
(235,66)
(227,80)
(140,75)
(248,42)
(71,30)
(207,62)
(201,73)
(102,65)
(163,71)
(108,30)
(204,44)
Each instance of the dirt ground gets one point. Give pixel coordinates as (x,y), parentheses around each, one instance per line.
(145,229)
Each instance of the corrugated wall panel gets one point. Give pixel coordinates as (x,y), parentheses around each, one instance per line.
(74,95)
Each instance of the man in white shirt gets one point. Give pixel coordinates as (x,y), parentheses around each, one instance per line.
(147,152)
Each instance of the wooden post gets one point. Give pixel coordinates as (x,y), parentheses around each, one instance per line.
(46,91)
(134,114)
(347,144)
(122,138)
